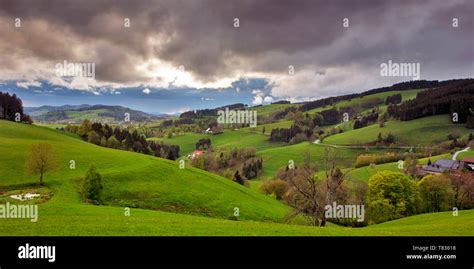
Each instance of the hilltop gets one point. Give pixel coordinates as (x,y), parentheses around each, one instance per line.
(130,179)
(78,113)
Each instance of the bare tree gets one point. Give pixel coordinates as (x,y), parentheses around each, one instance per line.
(40,160)
(304,194)
(309,195)
(334,179)
(463,186)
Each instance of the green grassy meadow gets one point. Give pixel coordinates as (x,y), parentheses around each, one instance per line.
(228,139)
(167,200)
(266,110)
(171,201)
(276,158)
(364,173)
(270,126)
(406,95)
(424,131)
(131,179)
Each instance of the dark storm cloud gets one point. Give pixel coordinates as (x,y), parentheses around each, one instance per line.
(273,34)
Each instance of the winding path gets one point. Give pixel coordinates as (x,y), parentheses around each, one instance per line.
(455,156)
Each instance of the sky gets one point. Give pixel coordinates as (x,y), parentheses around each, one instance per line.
(173,56)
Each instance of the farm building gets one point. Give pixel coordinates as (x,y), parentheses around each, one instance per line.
(196,153)
(442,165)
(469,163)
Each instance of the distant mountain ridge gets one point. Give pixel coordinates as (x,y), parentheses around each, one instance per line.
(40,110)
(78,113)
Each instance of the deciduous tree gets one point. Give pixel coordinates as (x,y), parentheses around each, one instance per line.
(40,160)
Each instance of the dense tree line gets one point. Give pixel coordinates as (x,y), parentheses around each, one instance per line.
(203,143)
(167,123)
(178,122)
(118,138)
(366,120)
(160,149)
(284,134)
(237,164)
(209,112)
(184,121)
(327,101)
(252,168)
(371,103)
(456,97)
(281,102)
(389,139)
(11,108)
(394,99)
(283,113)
(419,84)
(470,120)
(305,126)
(329,117)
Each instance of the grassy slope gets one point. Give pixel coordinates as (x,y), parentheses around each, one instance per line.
(75,219)
(87,114)
(275,158)
(270,126)
(64,214)
(406,95)
(228,139)
(469,153)
(424,131)
(364,173)
(131,179)
(266,110)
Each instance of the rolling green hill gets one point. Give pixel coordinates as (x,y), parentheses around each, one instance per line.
(424,131)
(469,153)
(406,95)
(77,114)
(270,126)
(266,110)
(150,182)
(228,139)
(364,173)
(276,158)
(86,220)
(130,179)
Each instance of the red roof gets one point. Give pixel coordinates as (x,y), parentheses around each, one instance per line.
(198,152)
(468,159)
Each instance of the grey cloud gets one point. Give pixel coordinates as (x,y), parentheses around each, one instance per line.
(272,35)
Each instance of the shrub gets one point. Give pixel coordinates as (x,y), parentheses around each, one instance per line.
(277,187)
(454,135)
(298,138)
(112,142)
(238,178)
(93,137)
(92,186)
(103,141)
(391,195)
(367,159)
(435,193)
(463,186)
(245,153)
(203,143)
